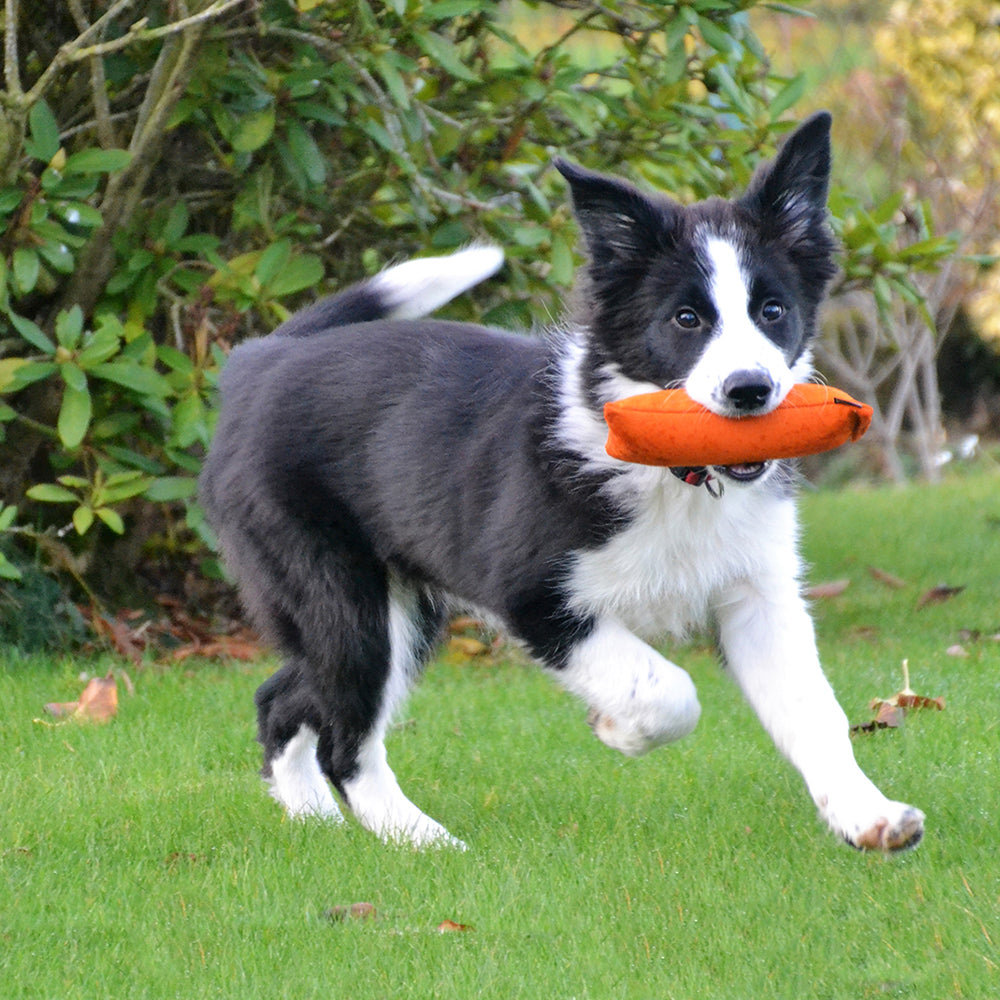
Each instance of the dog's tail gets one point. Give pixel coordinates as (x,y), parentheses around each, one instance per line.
(406,291)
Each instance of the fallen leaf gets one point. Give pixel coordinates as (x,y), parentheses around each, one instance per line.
(938,595)
(125,639)
(98,702)
(448,926)
(889,712)
(833,588)
(887,578)
(134,634)
(227,646)
(903,700)
(888,715)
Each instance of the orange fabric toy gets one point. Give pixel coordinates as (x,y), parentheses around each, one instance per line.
(670,428)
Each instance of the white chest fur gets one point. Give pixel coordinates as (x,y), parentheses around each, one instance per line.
(666,572)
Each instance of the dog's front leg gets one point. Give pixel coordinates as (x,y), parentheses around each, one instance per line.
(769,644)
(638,699)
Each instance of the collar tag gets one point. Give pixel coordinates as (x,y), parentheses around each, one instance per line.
(698,475)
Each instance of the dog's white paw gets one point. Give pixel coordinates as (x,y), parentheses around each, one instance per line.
(632,738)
(892,833)
(424,834)
(626,739)
(894,826)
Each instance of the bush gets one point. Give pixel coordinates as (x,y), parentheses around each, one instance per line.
(171,185)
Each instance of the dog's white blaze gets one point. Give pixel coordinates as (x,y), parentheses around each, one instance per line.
(373,793)
(638,699)
(737,344)
(416,288)
(298,783)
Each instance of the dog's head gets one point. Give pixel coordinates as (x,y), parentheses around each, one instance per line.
(719,297)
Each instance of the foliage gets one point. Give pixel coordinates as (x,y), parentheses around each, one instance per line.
(173,184)
(885,75)
(292,146)
(35,613)
(880,337)
(947,53)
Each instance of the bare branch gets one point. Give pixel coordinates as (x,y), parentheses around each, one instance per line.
(98,84)
(125,188)
(78,50)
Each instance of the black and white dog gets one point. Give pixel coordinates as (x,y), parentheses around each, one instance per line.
(371,470)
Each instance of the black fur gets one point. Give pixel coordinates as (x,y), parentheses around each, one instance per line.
(355,454)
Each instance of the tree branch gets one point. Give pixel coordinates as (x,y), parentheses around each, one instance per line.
(98,84)
(11,68)
(125,188)
(79,48)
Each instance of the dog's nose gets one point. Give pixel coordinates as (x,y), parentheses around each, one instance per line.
(748,390)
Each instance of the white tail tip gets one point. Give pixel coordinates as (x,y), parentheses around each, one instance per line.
(418,287)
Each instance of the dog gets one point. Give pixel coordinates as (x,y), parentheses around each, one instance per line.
(372,470)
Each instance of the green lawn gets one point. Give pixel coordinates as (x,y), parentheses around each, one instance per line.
(143,859)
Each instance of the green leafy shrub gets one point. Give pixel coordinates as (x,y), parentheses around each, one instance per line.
(171,185)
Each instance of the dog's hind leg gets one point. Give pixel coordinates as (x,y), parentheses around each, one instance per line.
(288,721)
(363,776)
(354,635)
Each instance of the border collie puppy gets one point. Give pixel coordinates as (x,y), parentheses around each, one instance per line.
(372,470)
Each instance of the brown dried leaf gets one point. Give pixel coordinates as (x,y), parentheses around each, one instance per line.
(907,699)
(833,588)
(889,712)
(98,702)
(938,595)
(128,642)
(223,646)
(895,582)
(449,926)
(887,715)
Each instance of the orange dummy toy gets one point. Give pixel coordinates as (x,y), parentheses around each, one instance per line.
(669,428)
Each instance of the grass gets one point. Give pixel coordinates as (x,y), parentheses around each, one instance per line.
(143,859)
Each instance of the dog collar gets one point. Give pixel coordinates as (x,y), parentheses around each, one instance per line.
(698,475)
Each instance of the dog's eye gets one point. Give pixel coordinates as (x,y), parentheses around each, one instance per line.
(772,311)
(687,318)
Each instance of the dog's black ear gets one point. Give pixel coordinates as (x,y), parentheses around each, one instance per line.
(618,221)
(790,192)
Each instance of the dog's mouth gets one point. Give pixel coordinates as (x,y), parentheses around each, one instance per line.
(745,472)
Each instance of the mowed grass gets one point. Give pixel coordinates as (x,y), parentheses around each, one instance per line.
(143,859)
